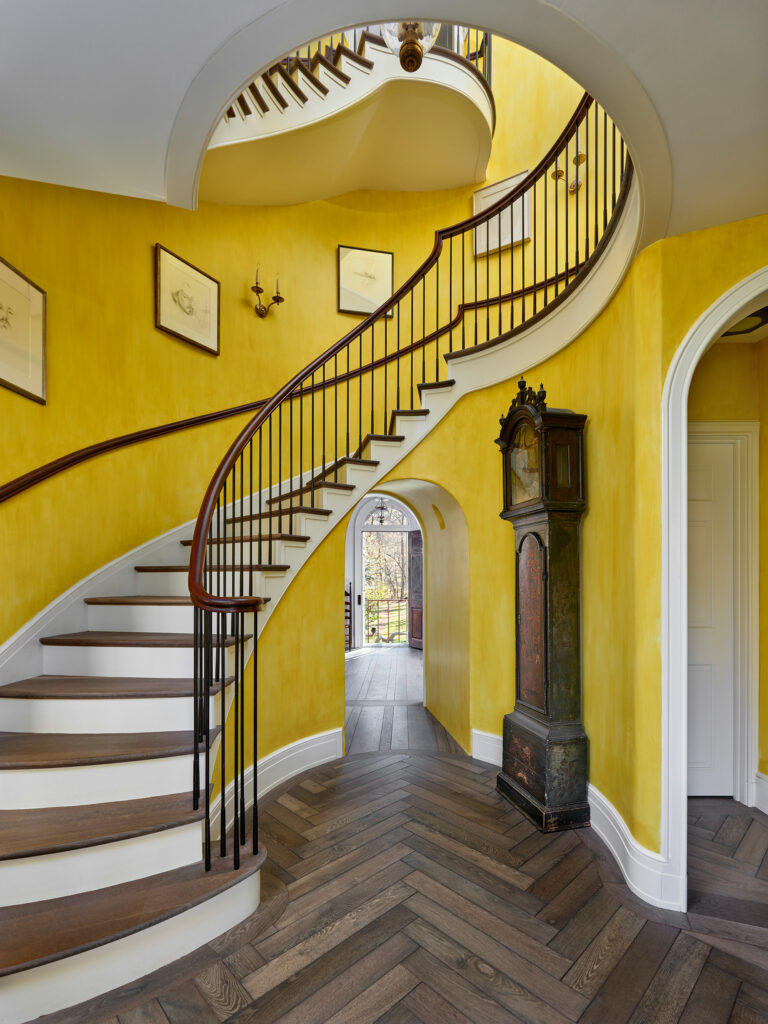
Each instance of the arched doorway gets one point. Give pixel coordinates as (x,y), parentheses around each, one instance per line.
(734,305)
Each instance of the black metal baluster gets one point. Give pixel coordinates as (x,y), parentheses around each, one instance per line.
(336,417)
(411,346)
(269,499)
(235,764)
(567,216)
(373,377)
(475,262)
(250,520)
(512,269)
(322,471)
(291,487)
(397,396)
(557,229)
(437,320)
(360,387)
(279,475)
(348,448)
(576,200)
(450,293)
(546,233)
(386,373)
(522,259)
(242,513)
(242,728)
(595,170)
(613,169)
(498,267)
(261,520)
(301,443)
(255,729)
(488,279)
(221,627)
(312,436)
(423,328)
(208,647)
(196,712)
(536,263)
(586,188)
(463,292)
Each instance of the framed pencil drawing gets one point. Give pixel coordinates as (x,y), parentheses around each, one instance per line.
(22,334)
(510,226)
(365,279)
(186,301)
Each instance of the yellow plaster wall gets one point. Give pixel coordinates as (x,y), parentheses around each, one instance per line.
(111,372)
(725,384)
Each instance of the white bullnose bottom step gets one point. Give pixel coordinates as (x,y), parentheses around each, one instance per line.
(65,982)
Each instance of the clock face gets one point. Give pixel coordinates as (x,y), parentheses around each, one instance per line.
(524,464)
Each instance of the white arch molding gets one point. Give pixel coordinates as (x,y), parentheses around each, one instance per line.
(535,24)
(748,294)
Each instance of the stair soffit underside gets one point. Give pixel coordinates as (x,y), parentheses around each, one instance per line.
(355,136)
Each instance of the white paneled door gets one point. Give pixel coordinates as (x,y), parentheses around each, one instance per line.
(710,618)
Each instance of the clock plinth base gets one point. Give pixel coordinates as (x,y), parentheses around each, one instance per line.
(544,771)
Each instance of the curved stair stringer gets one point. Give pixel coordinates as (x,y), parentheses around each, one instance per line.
(41,987)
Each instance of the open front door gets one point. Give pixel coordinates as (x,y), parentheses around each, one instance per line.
(415,589)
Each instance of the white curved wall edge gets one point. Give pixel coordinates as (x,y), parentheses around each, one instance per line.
(646,873)
(67,982)
(281,765)
(728,309)
(761,792)
(540,26)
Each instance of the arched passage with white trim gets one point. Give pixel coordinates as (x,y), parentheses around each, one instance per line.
(732,306)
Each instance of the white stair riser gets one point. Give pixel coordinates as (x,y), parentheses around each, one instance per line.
(174,584)
(152,662)
(362,477)
(28,879)
(324,497)
(22,788)
(74,979)
(282,551)
(74,715)
(135,618)
(411,427)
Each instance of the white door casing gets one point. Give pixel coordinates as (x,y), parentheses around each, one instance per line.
(710,618)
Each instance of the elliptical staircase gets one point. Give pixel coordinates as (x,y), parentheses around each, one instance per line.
(117,853)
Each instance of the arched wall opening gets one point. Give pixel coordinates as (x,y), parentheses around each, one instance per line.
(446,602)
(749,294)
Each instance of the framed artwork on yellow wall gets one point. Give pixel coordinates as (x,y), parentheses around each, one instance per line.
(365,279)
(186,301)
(22,334)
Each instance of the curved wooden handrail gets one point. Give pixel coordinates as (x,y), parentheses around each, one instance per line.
(72,459)
(230,603)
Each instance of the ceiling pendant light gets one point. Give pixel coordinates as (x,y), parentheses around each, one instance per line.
(381,510)
(410,40)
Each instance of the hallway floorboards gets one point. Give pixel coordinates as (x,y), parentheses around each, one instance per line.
(402,888)
(385,703)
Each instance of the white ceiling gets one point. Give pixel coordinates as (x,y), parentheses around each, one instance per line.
(122,97)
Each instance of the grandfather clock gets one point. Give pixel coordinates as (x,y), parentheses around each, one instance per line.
(544,767)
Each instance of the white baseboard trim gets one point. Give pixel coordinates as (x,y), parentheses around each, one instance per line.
(761,792)
(487,746)
(647,874)
(281,765)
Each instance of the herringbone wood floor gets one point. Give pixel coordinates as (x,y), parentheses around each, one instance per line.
(404,889)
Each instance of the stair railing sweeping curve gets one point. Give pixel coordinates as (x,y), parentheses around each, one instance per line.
(486,279)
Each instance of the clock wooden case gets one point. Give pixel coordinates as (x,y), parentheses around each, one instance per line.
(544,767)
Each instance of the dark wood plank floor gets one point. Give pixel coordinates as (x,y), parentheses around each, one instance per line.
(385,703)
(411,891)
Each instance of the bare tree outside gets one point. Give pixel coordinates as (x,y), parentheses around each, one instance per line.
(385,577)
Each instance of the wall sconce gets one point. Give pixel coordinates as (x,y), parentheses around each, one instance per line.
(558,174)
(260,309)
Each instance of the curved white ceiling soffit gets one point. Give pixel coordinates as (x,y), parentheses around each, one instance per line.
(541,27)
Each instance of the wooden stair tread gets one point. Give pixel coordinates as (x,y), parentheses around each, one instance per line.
(435,385)
(168,601)
(54,687)
(20,750)
(316,485)
(36,832)
(229,567)
(276,513)
(107,638)
(38,933)
(303,538)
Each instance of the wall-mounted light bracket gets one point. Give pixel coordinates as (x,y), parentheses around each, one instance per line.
(259,308)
